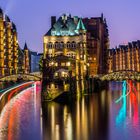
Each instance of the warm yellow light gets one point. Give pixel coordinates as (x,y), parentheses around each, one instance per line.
(85,68)
(68,64)
(56,64)
(62,64)
(56,74)
(63,73)
(52,63)
(52,86)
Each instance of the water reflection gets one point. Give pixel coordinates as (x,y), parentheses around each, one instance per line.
(122,112)
(127,119)
(133,104)
(90,117)
(19,119)
(84,119)
(128,89)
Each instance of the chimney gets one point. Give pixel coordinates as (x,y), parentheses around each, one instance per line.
(53,20)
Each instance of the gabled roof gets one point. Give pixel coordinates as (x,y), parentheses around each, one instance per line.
(66,25)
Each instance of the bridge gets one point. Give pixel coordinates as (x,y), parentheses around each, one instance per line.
(36,76)
(121,75)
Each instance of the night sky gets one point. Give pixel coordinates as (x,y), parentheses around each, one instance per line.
(32,17)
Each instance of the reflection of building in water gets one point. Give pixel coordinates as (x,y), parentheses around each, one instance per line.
(125,57)
(85,119)
(138,89)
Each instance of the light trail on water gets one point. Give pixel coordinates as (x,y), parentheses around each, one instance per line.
(14,88)
(22,114)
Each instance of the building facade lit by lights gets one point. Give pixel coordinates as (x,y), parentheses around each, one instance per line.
(79,44)
(8,46)
(124,57)
(65,50)
(97,44)
(26,59)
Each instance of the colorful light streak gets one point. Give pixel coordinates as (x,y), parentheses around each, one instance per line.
(17,89)
(9,88)
(10,113)
(3,113)
(14,88)
(122,113)
(133,102)
(124,90)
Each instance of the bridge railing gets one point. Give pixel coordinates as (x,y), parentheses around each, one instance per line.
(25,76)
(121,75)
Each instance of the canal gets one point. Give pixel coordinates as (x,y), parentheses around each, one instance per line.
(98,116)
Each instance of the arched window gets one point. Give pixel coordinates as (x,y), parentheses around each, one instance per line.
(50,45)
(73,44)
(68,45)
(62,45)
(56,45)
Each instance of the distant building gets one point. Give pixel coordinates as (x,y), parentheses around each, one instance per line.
(26,60)
(8,46)
(124,57)
(35,58)
(30,60)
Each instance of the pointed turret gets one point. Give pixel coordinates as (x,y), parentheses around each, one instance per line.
(14,27)
(25,46)
(80,25)
(1,11)
(7,18)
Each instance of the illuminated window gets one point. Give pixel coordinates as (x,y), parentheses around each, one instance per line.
(62,64)
(50,51)
(51,63)
(68,64)
(64,74)
(56,64)
(56,74)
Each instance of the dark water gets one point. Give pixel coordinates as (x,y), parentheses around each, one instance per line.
(90,117)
